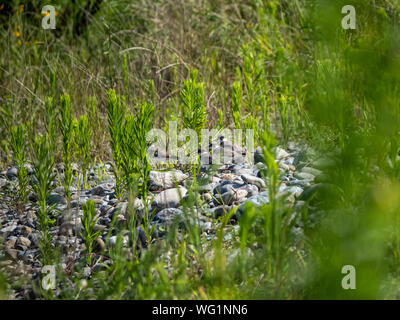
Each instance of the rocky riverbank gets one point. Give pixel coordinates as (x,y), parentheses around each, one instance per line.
(226,187)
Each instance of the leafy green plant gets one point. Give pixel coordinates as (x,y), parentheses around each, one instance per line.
(82,140)
(18,147)
(253,74)
(43,171)
(66,127)
(236,97)
(193,104)
(115,112)
(88,234)
(51,122)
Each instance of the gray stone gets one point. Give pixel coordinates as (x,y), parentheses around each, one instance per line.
(161,180)
(24,242)
(99,245)
(259,199)
(112,241)
(206,197)
(226,198)
(281,153)
(254,180)
(223,188)
(8,230)
(258,155)
(208,227)
(221,211)
(168,216)
(55,198)
(102,189)
(3,182)
(12,173)
(169,198)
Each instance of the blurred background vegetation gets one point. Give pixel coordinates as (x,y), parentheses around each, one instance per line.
(299,77)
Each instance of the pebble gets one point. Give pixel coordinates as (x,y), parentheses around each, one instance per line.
(254,180)
(12,173)
(161,180)
(169,198)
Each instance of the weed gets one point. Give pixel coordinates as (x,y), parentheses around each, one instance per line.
(193,104)
(115,121)
(66,127)
(89,236)
(18,147)
(82,140)
(43,171)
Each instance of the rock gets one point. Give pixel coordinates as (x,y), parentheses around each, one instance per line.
(98,245)
(3,182)
(25,242)
(87,272)
(120,208)
(26,231)
(251,189)
(55,198)
(34,239)
(226,198)
(60,190)
(99,227)
(29,168)
(161,180)
(66,228)
(102,189)
(207,187)
(221,211)
(258,155)
(223,188)
(12,253)
(32,197)
(142,241)
(112,241)
(259,199)
(254,180)
(10,243)
(7,230)
(256,200)
(241,194)
(295,190)
(12,173)
(208,227)
(169,198)
(301,183)
(138,204)
(168,216)
(281,154)
(206,197)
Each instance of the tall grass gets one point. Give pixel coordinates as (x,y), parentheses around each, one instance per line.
(43,170)
(18,147)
